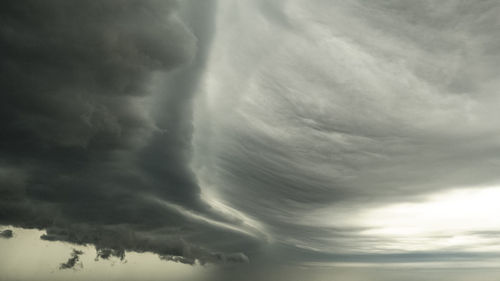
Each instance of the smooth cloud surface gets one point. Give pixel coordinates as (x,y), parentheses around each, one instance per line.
(321,113)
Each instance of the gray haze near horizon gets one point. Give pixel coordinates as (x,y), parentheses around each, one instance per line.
(269,137)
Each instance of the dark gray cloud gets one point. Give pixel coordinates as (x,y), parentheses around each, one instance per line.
(73,260)
(7,234)
(279,131)
(96,127)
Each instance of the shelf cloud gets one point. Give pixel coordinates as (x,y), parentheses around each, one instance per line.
(84,147)
(260,133)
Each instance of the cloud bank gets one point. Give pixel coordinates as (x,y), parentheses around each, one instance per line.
(283,132)
(96,127)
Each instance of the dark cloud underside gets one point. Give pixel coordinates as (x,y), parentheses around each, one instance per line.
(286,132)
(93,140)
(7,234)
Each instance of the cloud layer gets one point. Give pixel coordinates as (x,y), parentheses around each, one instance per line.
(327,110)
(283,131)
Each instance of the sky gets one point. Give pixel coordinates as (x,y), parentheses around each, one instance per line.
(249,140)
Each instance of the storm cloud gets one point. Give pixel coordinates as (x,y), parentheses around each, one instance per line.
(350,108)
(6,234)
(72,261)
(95,139)
(265,133)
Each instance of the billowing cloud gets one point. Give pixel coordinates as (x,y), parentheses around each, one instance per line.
(96,127)
(286,132)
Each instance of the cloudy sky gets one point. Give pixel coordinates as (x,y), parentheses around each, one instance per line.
(249,140)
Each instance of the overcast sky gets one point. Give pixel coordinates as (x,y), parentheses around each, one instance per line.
(249,140)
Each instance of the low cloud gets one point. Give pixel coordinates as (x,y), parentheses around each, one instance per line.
(6,234)
(95,123)
(131,125)
(72,261)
